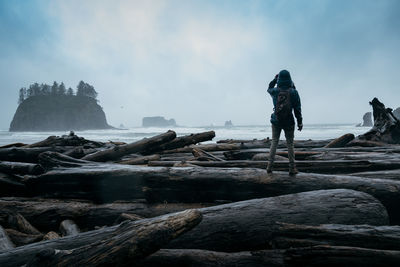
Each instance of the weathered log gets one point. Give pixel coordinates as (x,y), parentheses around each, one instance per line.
(314,166)
(247,154)
(182,141)
(18,222)
(340,256)
(321,256)
(20,168)
(364,236)
(5,242)
(391,174)
(140,160)
(341,141)
(211,184)
(47,214)
(13,145)
(265,157)
(206,258)
(205,147)
(66,140)
(10,186)
(69,227)
(21,239)
(50,235)
(386,126)
(136,147)
(21,154)
(249,225)
(118,245)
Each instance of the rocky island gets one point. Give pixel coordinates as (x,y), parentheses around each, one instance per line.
(53,108)
(157,121)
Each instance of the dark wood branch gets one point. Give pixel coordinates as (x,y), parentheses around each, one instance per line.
(341,141)
(20,168)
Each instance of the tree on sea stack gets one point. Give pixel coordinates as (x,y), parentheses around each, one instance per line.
(85,89)
(54,88)
(22,93)
(61,89)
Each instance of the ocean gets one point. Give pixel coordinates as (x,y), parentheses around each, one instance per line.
(314,132)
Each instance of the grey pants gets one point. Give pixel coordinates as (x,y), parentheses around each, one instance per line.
(289,134)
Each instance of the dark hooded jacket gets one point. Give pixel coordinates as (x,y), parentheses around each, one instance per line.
(284,82)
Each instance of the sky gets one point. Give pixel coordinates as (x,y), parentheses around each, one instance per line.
(204,62)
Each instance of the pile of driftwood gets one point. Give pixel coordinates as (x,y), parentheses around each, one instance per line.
(173,201)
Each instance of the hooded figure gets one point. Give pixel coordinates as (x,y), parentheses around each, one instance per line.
(284,82)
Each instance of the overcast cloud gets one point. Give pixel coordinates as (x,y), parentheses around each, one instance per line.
(204,62)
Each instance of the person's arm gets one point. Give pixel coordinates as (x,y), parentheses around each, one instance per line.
(271,86)
(297,110)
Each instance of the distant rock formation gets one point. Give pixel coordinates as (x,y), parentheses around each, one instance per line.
(228,123)
(59,113)
(396,113)
(367,120)
(157,121)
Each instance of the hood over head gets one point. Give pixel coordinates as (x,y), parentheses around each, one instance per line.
(284,79)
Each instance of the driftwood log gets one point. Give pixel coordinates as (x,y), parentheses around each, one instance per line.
(314,166)
(182,141)
(47,214)
(386,174)
(386,126)
(20,168)
(249,225)
(365,236)
(135,147)
(206,258)
(21,154)
(211,184)
(118,245)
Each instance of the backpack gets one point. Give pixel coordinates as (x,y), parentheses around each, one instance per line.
(283,109)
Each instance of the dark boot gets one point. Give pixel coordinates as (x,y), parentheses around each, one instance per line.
(269,167)
(293,170)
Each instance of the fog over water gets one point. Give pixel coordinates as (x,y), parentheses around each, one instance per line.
(204,62)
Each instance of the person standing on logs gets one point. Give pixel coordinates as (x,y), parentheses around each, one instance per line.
(285,99)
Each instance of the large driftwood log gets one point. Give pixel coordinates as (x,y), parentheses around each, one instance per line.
(207,258)
(5,242)
(119,245)
(386,126)
(365,236)
(314,166)
(135,147)
(340,256)
(390,174)
(20,168)
(247,154)
(321,256)
(211,184)
(65,140)
(21,154)
(140,160)
(47,214)
(249,225)
(182,141)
